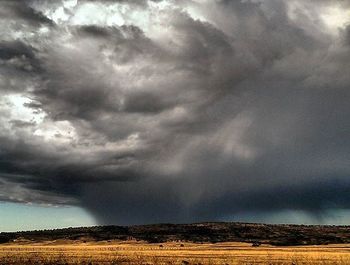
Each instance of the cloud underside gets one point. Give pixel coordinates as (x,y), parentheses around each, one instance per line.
(175,111)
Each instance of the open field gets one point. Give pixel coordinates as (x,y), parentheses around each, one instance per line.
(133,252)
(185,244)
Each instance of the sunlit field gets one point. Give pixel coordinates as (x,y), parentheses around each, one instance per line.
(132,252)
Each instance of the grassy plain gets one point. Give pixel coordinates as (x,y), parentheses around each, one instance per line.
(184,253)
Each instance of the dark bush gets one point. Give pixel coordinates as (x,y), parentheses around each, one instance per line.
(4,239)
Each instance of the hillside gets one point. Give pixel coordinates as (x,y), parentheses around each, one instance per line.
(199,232)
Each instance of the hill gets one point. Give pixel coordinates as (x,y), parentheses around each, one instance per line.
(282,235)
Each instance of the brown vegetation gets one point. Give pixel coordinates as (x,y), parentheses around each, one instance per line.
(185,244)
(133,252)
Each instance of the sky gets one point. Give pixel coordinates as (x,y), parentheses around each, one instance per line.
(152,111)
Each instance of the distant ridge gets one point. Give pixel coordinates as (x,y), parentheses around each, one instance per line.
(279,235)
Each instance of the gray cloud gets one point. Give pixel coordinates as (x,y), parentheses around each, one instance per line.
(177,111)
(19,56)
(22,12)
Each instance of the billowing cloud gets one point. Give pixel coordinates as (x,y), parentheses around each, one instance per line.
(175,111)
(20,12)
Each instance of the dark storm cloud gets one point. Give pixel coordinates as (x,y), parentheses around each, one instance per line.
(19,56)
(145,103)
(95,31)
(21,124)
(23,12)
(41,170)
(9,50)
(192,111)
(316,198)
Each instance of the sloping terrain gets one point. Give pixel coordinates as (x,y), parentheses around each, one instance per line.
(214,232)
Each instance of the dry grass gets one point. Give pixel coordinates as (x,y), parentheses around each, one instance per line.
(169,253)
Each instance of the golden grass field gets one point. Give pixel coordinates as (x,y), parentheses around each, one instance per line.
(132,252)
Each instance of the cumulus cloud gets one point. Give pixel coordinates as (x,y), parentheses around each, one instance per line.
(175,111)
